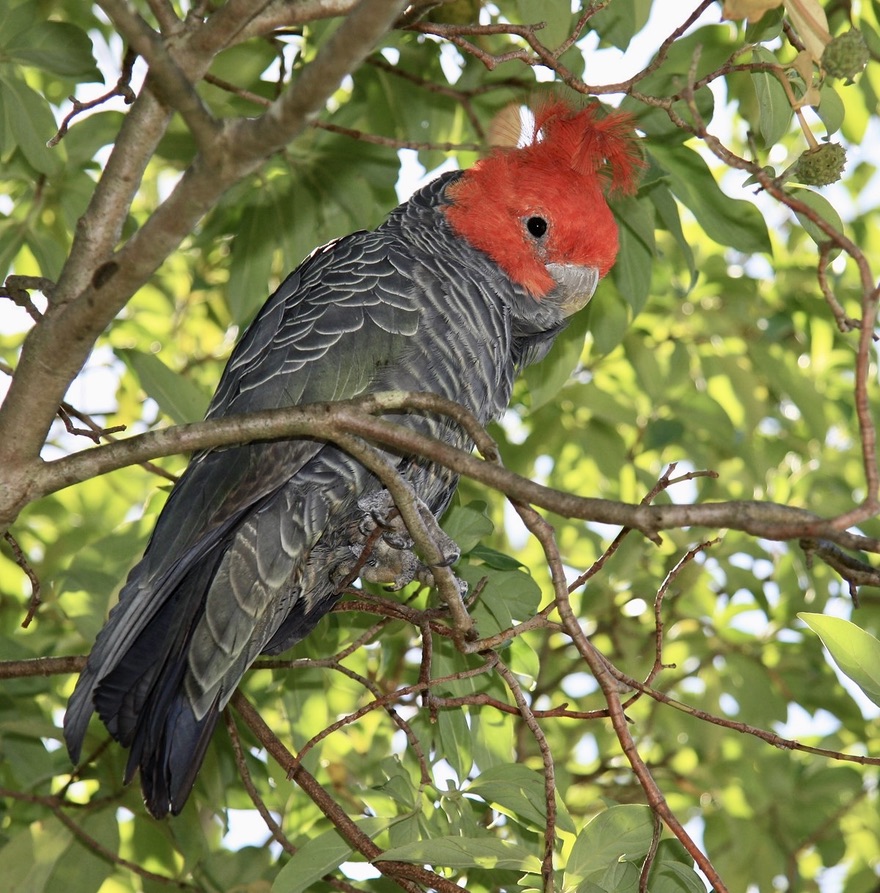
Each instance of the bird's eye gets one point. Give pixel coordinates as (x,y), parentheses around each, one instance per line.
(537,226)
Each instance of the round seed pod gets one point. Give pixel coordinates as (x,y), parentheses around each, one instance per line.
(846,55)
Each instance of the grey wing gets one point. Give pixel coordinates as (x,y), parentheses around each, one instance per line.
(357,286)
(224,567)
(343,316)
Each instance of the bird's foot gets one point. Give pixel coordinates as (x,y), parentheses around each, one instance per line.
(379,510)
(392,561)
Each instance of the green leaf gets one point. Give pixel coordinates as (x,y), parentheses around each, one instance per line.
(823,208)
(251,261)
(12,233)
(31,855)
(87,135)
(518,792)
(774,109)
(244,63)
(667,211)
(673,870)
(831,108)
(493,738)
(656,122)
(632,272)
(734,222)
(637,216)
(608,319)
(466,852)
(467,525)
(57,47)
(644,361)
(618,877)
(455,740)
(49,253)
(493,558)
(854,650)
(547,378)
(621,21)
(178,397)
(86,872)
(15,19)
(506,596)
(617,832)
(767,27)
(673,877)
(26,115)
(524,660)
(321,855)
(556,18)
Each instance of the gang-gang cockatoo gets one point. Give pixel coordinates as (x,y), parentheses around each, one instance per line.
(460,288)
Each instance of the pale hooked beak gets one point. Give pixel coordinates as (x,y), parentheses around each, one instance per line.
(576,285)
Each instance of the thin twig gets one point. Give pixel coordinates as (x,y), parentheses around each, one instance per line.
(16,289)
(734,725)
(406,876)
(651,855)
(844,322)
(166,78)
(93,431)
(525,711)
(244,774)
(608,682)
(56,806)
(121,88)
(21,560)
(679,566)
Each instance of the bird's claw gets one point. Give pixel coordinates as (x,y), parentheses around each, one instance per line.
(379,511)
(450,551)
(391,560)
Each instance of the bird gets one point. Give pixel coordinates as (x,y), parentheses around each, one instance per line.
(460,288)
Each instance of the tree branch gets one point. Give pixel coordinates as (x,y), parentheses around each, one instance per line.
(347,48)
(602,671)
(166,79)
(96,283)
(400,872)
(337,421)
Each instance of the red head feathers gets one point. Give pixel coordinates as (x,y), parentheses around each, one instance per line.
(545,203)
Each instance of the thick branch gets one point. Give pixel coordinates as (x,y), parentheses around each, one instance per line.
(336,421)
(240,20)
(295,108)
(96,285)
(167,79)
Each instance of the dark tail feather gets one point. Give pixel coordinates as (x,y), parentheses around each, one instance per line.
(141,698)
(122,697)
(169,756)
(147,709)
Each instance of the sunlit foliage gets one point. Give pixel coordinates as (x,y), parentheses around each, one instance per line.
(727,358)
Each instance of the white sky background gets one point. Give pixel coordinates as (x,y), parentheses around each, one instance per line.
(94,390)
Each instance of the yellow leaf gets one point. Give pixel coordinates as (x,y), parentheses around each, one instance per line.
(748,9)
(810,22)
(803,65)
